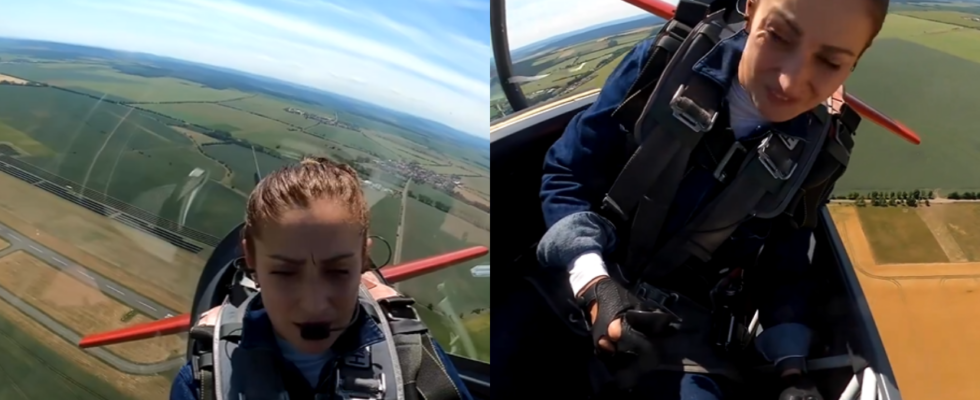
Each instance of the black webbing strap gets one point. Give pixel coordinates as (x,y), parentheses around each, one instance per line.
(423,374)
(780,164)
(684,106)
(675,31)
(830,165)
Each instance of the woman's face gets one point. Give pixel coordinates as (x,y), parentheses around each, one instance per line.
(308,265)
(800,51)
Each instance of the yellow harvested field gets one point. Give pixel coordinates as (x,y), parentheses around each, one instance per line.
(957,227)
(470,195)
(150,387)
(139,261)
(926,313)
(7,78)
(80,306)
(4,244)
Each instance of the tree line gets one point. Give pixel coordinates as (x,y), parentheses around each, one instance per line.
(890,199)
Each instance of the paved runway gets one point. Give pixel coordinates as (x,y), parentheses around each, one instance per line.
(19,241)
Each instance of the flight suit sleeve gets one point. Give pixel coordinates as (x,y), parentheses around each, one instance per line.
(464,393)
(184,386)
(781,291)
(573,178)
(578,170)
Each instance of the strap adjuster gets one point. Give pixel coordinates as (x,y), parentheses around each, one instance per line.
(398,308)
(349,391)
(682,108)
(776,171)
(720,170)
(609,206)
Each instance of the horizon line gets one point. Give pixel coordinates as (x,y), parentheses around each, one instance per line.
(249,73)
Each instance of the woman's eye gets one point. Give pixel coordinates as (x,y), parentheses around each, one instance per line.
(283,273)
(776,36)
(830,64)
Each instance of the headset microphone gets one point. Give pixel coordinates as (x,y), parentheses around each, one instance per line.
(317,331)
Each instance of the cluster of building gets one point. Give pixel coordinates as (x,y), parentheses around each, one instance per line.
(421,174)
(329,120)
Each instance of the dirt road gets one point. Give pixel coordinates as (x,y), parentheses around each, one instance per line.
(928,316)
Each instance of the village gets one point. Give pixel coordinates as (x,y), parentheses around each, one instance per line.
(329,120)
(416,172)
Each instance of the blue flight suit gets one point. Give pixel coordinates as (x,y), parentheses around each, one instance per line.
(582,165)
(257,333)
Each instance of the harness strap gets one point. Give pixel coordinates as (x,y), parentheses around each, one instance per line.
(433,381)
(777,172)
(424,375)
(687,15)
(202,361)
(830,165)
(683,107)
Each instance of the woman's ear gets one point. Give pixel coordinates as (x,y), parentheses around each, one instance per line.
(249,255)
(369,242)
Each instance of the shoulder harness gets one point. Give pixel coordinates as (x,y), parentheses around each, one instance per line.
(405,366)
(670,109)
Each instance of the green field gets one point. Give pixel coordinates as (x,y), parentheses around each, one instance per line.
(101,79)
(430,237)
(243,162)
(922,73)
(137,138)
(386,213)
(30,370)
(585,65)
(897,235)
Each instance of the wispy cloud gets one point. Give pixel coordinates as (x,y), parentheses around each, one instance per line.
(428,59)
(529,21)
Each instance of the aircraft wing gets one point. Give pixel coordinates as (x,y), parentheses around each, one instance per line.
(182,323)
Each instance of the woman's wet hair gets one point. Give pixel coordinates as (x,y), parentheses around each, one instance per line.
(299,185)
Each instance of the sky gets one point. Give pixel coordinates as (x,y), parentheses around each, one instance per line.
(530,21)
(423,57)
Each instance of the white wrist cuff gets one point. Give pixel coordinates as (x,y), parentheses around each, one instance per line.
(584,269)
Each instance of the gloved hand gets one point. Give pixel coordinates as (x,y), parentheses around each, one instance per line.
(799,387)
(635,344)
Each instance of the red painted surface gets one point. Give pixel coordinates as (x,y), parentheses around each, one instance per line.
(666,11)
(182,323)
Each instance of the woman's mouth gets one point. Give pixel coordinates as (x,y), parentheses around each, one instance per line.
(779,97)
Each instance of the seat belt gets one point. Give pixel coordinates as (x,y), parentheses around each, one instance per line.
(765,185)
(683,107)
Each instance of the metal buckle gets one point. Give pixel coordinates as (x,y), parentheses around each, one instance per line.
(769,164)
(345,394)
(688,120)
(650,294)
(720,170)
(391,305)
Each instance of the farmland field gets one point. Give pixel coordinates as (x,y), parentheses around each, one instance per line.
(570,69)
(105,161)
(914,301)
(243,162)
(933,91)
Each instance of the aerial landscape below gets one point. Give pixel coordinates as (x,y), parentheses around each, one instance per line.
(122,171)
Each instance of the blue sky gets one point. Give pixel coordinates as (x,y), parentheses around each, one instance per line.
(424,57)
(529,21)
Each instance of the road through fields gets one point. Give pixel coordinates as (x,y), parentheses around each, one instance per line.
(21,242)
